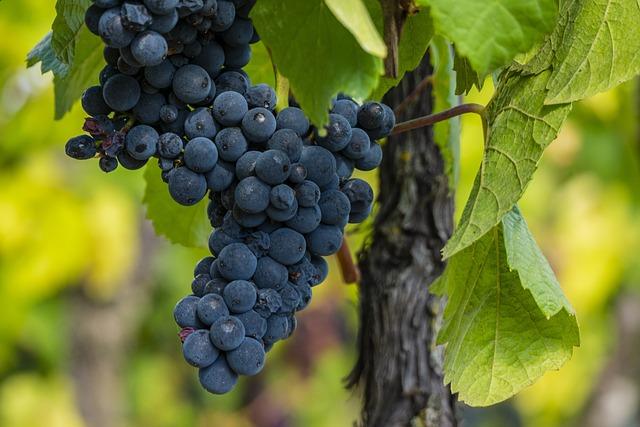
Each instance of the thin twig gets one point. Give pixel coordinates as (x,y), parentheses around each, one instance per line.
(349,270)
(414,95)
(421,122)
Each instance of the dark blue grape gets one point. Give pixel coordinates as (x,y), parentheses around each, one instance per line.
(183,33)
(269,273)
(185,312)
(298,173)
(218,378)
(203,266)
(282,215)
(371,115)
(232,81)
(237,262)
(108,164)
(200,155)
(252,195)
(93,102)
(371,159)
(141,142)
(293,118)
(121,92)
(322,269)
(306,220)
(160,76)
(187,187)
(338,133)
(325,240)
(248,359)
(112,30)
(170,145)
(165,23)
(210,308)
(347,109)
(231,143)
(240,296)
(258,242)
(191,83)
(358,217)
(288,141)
(227,333)
(255,325)
(334,184)
(220,177)
(215,286)
(248,220)
(360,194)
(277,329)
(261,95)
(259,124)
(218,240)
(128,162)
(320,164)
(268,302)
(135,17)
(81,147)
(290,298)
(126,68)
(237,56)
(161,7)
(198,350)
(282,197)
(358,146)
(92,18)
(107,72)
(344,166)
(229,108)
(287,246)
(224,17)
(147,110)
(211,59)
(308,194)
(198,284)
(246,164)
(169,113)
(335,207)
(273,167)
(304,290)
(239,34)
(200,123)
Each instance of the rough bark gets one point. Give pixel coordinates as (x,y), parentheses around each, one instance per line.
(399,369)
(100,337)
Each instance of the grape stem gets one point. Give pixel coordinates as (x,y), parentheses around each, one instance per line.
(349,270)
(458,110)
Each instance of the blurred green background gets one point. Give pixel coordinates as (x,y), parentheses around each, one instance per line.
(87,289)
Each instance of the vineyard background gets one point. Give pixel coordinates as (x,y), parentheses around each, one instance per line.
(87,289)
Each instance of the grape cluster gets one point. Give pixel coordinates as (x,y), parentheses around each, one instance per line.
(167,60)
(279,203)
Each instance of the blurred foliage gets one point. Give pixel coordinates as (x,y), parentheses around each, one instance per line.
(65,228)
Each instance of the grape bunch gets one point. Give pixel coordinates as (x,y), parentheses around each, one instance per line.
(167,60)
(279,204)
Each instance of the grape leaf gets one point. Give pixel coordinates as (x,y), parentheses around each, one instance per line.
(354,16)
(260,69)
(506,321)
(491,32)
(599,49)
(446,133)
(82,74)
(43,53)
(66,27)
(466,77)
(414,41)
(520,127)
(184,225)
(316,53)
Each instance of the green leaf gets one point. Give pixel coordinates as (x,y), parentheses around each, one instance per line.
(66,27)
(506,322)
(82,74)
(599,49)
(446,133)
(184,225)
(466,77)
(520,127)
(354,16)
(316,53)
(414,41)
(260,69)
(43,53)
(491,33)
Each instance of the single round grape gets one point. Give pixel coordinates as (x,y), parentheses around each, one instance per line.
(128,162)
(252,195)
(111,55)
(358,217)
(371,159)
(305,292)
(200,123)
(358,146)
(288,141)
(126,68)
(227,333)
(248,358)
(232,81)
(335,207)
(224,17)
(92,18)
(237,56)
(338,133)
(169,113)
(360,194)
(211,307)
(218,240)
(93,102)
(269,273)
(344,166)
(218,378)
(308,194)
(248,220)
(108,164)
(277,329)
(259,124)
(298,173)
(325,240)
(287,246)
(255,325)
(121,92)
(198,350)
(215,286)
(170,145)
(282,215)
(231,143)
(240,33)
(246,164)
(261,95)
(203,266)
(198,284)
(191,83)
(107,72)
(200,155)
(273,167)
(164,23)
(187,187)
(185,314)
(221,176)
(141,142)
(229,108)
(237,262)
(282,196)
(321,267)
(371,115)
(161,7)
(293,118)
(240,296)
(320,164)
(112,30)
(160,76)
(306,220)
(81,147)
(347,109)
(211,58)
